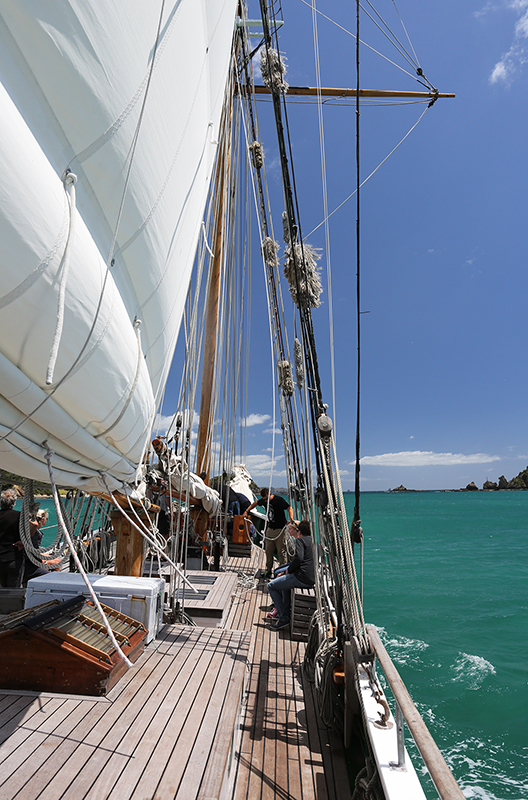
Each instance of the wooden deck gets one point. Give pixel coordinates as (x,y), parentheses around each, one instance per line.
(169,728)
(209,607)
(286,753)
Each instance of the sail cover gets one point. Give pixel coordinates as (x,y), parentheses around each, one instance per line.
(110,119)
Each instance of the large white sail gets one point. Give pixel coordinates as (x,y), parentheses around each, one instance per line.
(128,98)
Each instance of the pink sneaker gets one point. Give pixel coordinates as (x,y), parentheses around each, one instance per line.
(272,614)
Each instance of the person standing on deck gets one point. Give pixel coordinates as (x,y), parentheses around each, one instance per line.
(11,547)
(298,574)
(276,507)
(31,570)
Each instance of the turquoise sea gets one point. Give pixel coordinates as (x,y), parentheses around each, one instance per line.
(446,579)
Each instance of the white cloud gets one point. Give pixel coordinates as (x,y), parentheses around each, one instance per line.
(164,421)
(257,74)
(260,467)
(273,430)
(419,458)
(161,423)
(255,419)
(505,69)
(483,11)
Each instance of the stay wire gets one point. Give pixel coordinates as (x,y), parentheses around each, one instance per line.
(405,31)
(373,49)
(322,149)
(350,196)
(386,30)
(356,519)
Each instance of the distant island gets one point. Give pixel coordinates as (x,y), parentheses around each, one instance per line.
(517,484)
(8,480)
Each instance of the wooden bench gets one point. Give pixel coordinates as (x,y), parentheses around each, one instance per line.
(303,605)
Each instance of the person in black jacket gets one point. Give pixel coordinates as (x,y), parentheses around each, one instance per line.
(11,548)
(276,508)
(31,570)
(11,554)
(298,574)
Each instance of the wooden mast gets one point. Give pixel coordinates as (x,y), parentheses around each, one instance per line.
(130,544)
(203,452)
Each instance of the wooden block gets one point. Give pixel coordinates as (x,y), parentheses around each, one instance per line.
(241,530)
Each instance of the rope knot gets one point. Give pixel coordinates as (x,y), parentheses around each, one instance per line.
(273,69)
(285,378)
(49,452)
(257,155)
(302,274)
(68,178)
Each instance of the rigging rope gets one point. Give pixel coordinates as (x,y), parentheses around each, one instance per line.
(373,171)
(364,44)
(61,522)
(322,149)
(356,519)
(145,532)
(69,180)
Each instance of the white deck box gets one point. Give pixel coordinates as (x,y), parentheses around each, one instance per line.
(139,598)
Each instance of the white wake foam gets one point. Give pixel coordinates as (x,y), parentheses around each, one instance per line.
(472,670)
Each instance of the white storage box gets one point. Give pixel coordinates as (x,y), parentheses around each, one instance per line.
(139,598)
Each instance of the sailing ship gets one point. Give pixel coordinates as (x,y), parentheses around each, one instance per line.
(131,143)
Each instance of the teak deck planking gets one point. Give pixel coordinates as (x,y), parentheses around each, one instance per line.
(286,753)
(166,730)
(219,588)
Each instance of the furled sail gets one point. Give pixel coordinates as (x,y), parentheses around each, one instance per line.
(110,115)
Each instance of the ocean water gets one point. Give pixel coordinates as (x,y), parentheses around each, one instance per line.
(446,580)
(50,530)
(446,583)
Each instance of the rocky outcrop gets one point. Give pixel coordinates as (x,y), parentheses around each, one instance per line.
(400,488)
(520,481)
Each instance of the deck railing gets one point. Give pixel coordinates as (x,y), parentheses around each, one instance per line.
(441,775)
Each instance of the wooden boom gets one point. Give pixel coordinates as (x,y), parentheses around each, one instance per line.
(311,91)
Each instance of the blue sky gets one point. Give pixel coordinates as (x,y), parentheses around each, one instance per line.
(444,261)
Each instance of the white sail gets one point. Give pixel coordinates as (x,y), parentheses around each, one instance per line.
(92,88)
